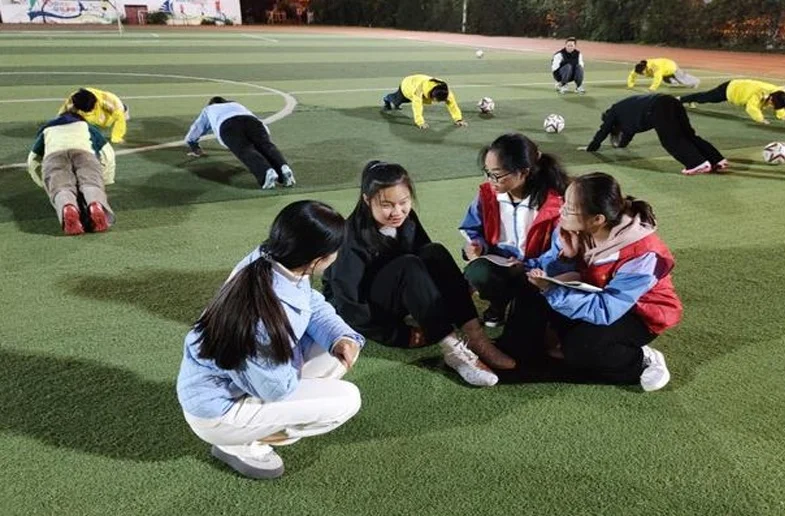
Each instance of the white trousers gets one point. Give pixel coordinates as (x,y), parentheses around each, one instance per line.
(322,402)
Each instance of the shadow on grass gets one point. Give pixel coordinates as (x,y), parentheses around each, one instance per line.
(175,295)
(93,408)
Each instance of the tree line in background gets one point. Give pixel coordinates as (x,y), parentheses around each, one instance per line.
(751,24)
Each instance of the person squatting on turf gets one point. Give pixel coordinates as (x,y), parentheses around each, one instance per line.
(243,133)
(388,271)
(424,89)
(610,241)
(667,116)
(659,70)
(263,363)
(109,111)
(567,66)
(511,219)
(72,161)
(752,95)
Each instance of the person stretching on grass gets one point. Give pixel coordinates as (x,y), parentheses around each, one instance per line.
(72,161)
(667,116)
(610,241)
(108,111)
(424,89)
(659,70)
(752,95)
(511,219)
(388,271)
(263,363)
(239,130)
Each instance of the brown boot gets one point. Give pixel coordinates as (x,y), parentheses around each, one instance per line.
(482,346)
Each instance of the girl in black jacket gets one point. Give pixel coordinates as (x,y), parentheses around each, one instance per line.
(388,269)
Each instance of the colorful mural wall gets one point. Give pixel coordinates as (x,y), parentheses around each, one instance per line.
(182,12)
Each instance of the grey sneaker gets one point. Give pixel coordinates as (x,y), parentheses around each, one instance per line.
(270,179)
(288,176)
(254,460)
(655,374)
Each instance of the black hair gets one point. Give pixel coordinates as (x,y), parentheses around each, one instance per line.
(440,92)
(376,176)
(571,38)
(600,194)
(83,100)
(778,99)
(640,68)
(517,153)
(302,232)
(217,100)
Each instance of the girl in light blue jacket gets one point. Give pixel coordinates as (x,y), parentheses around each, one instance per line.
(263,363)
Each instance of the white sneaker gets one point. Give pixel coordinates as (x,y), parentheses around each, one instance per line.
(466,363)
(288,176)
(255,460)
(655,374)
(581,90)
(558,85)
(270,179)
(564,89)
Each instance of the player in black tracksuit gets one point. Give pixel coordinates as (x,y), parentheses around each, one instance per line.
(666,115)
(567,66)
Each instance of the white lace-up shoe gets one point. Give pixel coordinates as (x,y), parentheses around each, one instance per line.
(459,357)
(655,374)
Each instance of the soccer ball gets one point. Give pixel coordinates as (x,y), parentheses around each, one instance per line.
(479,54)
(553,123)
(486,105)
(774,153)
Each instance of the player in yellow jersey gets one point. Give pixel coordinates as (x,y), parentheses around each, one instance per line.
(662,69)
(109,111)
(424,89)
(752,95)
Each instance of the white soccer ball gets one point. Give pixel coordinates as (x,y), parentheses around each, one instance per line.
(553,123)
(479,54)
(486,105)
(774,153)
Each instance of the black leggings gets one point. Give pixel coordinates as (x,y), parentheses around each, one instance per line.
(713,96)
(428,286)
(248,139)
(677,135)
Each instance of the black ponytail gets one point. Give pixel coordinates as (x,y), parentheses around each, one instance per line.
(234,314)
(641,208)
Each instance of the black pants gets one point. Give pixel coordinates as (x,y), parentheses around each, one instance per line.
(677,135)
(598,354)
(428,286)
(248,139)
(568,73)
(713,96)
(495,283)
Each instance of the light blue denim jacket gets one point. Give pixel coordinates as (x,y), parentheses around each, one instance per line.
(207,391)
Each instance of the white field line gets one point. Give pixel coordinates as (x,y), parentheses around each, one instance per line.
(263,38)
(321,92)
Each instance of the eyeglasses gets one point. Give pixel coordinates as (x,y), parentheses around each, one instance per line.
(564,212)
(495,178)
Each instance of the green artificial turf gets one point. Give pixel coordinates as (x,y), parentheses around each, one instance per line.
(92,327)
